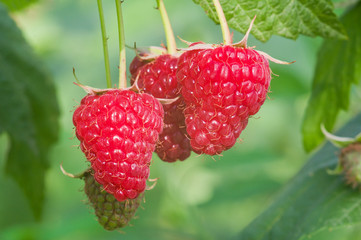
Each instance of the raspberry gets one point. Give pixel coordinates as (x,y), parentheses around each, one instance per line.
(137,63)
(350,160)
(111,213)
(159,79)
(222,87)
(118,130)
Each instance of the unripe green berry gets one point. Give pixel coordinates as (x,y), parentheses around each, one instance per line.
(111,213)
(350,159)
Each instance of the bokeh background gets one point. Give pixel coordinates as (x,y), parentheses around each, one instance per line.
(200,198)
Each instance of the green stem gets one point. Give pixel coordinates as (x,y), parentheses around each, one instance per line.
(76,79)
(171,44)
(345,3)
(105,44)
(122,56)
(227,40)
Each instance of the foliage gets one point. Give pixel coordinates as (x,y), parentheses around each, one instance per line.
(338,67)
(28,110)
(15,5)
(313,200)
(285,18)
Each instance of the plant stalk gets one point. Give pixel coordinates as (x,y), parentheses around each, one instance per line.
(171,43)
(105,44)
(122,55)
(227,40)
(345,3)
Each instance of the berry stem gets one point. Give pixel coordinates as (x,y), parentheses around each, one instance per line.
(227,39)
(171,43)
(122,56)
(105,44)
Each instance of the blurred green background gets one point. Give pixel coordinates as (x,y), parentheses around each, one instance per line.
(200,198)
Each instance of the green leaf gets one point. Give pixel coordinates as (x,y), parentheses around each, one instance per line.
(28,109)
(15,5)
(287,18)
(312,201)
(338,66)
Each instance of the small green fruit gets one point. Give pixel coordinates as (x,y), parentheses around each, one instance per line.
(111,213)
(350,160)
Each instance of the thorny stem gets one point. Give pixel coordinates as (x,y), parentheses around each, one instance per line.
(227,40)
(122,56)
(105,44)
(171,43)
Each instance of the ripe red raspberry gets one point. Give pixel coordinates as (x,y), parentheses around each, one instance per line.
(137,63)
(222,87)
(118,130)
(158,78)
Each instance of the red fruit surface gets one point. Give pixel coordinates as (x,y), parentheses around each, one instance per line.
(222,88)
(158,78)
(173,141)
(137,63)
(118,131)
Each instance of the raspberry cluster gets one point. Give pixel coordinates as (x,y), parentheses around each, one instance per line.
(208,95)
(181,100)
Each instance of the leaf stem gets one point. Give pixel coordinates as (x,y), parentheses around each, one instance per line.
(76,79)
(122,55)
(105,44)
(227,40)
(345,3)
(171,43)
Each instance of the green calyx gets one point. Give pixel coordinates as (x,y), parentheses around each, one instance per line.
(349,159)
